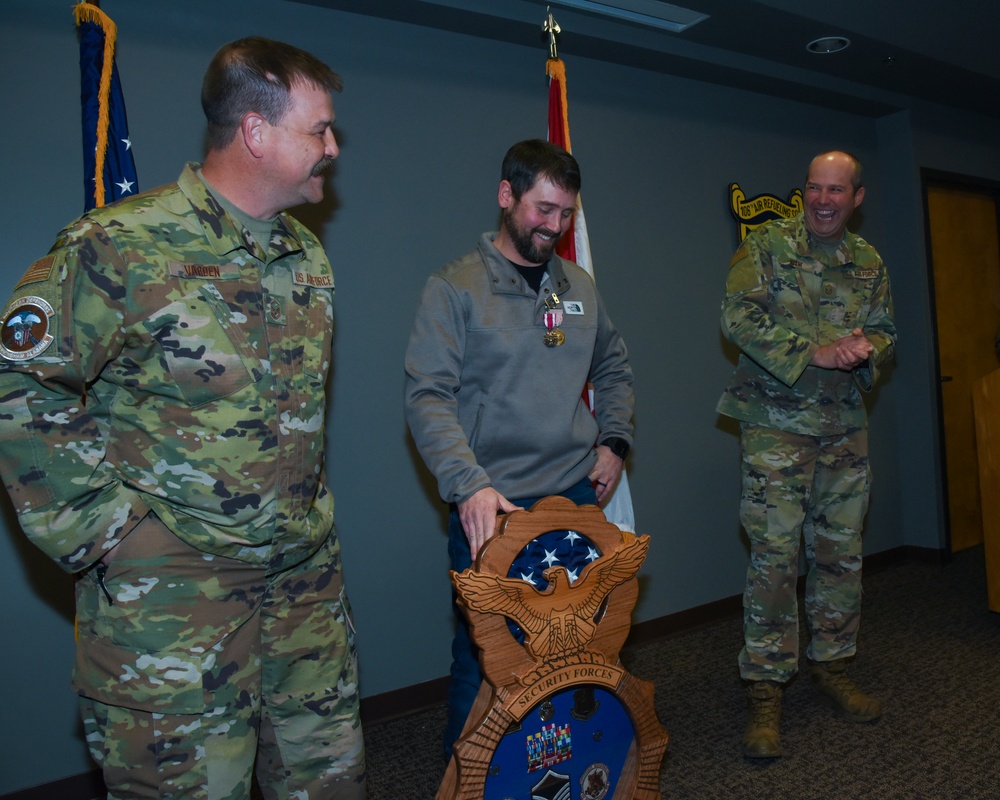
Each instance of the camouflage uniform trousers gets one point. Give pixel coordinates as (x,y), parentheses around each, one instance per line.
(205,669)
(815,487)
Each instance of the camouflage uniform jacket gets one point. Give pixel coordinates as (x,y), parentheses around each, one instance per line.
(158,359)
(784,298)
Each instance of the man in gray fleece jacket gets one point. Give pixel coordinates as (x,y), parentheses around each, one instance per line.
(504,342)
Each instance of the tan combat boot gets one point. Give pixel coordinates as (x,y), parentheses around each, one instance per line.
(829,678)
(762,739)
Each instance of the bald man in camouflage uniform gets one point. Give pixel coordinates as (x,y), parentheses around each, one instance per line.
(808,304)
(163,402)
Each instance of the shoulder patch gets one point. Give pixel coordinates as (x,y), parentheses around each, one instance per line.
(39,271)
(25,328)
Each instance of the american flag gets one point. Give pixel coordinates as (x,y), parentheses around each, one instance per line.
(108,167)
(567,549)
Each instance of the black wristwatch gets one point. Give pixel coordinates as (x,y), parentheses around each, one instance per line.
(618,446)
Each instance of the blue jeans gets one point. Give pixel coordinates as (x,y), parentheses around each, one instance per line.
(465,673)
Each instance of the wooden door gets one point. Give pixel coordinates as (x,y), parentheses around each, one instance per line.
(986,400)
(965,258)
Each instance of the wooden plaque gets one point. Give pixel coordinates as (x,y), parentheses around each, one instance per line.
(554,686)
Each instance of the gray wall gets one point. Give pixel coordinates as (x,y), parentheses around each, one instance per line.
(424,121)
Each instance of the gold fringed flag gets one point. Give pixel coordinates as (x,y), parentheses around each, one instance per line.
(108,168)
(575,246)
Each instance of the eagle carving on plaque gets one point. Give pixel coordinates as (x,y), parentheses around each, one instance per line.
(558,621)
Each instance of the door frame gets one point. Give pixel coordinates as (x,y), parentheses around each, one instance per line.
(940,178)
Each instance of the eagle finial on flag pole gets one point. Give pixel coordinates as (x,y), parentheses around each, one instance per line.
(551,27)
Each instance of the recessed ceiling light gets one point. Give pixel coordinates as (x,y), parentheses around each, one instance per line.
(828,44)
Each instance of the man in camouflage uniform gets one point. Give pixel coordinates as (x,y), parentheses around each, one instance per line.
(163,401)
(808,304)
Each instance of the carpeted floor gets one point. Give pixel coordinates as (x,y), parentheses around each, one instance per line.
(930,650)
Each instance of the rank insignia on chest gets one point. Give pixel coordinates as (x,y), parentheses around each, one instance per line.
(275,313)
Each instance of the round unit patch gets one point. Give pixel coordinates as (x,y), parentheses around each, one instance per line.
(595,781)
(25,329)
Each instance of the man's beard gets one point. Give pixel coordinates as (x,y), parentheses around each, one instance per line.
(523,243)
